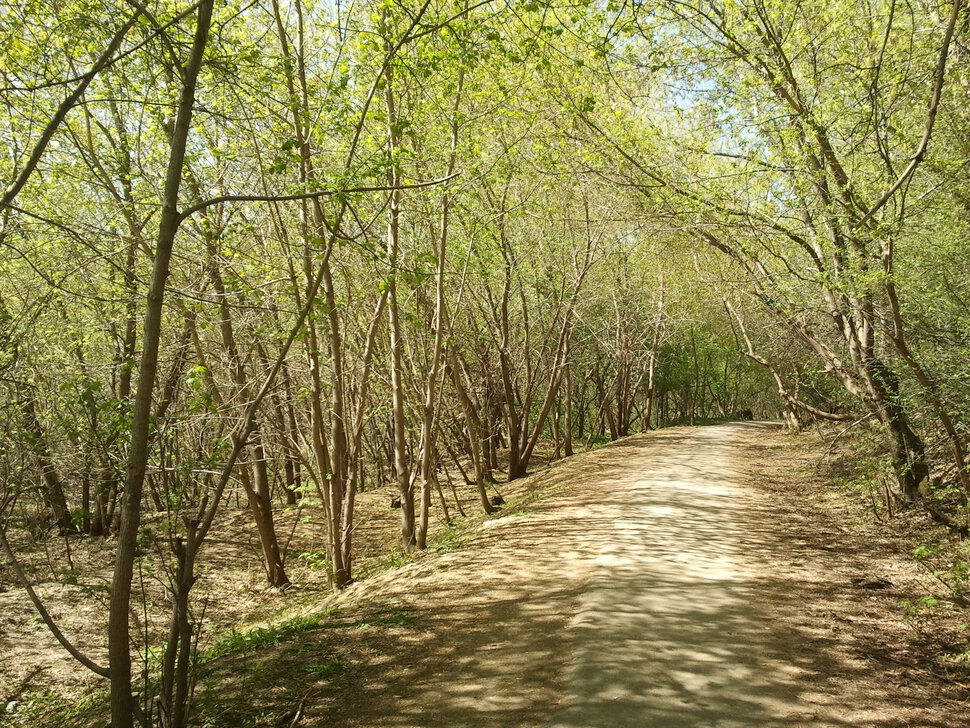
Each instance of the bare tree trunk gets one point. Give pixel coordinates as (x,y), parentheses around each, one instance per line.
(176,664)
(792,403)
(658,327)
(258,488)
(54,486)
(401,467)
(256,482)
(441,325)
(477,441)
(567,424)
(929,385)
(119,658)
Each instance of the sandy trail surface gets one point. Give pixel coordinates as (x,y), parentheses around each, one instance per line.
(670,629)
(686,578)
(664,581)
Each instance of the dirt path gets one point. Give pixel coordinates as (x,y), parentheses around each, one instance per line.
(671,630)
(692,577)
(659,584)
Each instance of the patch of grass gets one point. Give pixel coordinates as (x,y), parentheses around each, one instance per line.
(949,566)
(450,540)
(268,717)
(386,617)
(397,557)
(522,505)
(260,686)
(394,616)
(916,607)
(325,669)
(53,711)
(260,638)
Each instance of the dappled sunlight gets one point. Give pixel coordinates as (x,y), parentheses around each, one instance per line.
(668,632)
(638,594)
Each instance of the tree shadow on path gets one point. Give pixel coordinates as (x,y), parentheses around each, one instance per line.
(640,595)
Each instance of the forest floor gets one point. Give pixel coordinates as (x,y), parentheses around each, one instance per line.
(687,577)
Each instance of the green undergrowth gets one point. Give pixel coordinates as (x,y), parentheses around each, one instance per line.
(393,616)
(939,610)
(48,709)
(278,664)
(259,638)
(248,677)
(256,676)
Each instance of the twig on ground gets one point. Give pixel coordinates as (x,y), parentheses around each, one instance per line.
(877,657)
(299,712)
(24,684)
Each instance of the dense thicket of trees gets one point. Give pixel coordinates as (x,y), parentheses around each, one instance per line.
(299,249)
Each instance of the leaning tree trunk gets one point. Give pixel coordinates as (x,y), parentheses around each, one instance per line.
(119,656)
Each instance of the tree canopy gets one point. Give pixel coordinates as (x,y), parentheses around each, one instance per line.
(299,249)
